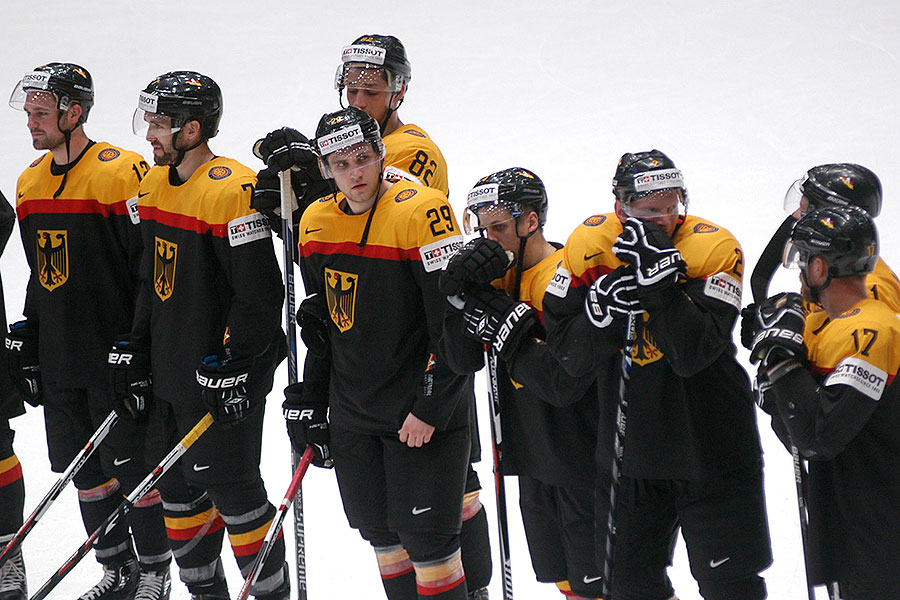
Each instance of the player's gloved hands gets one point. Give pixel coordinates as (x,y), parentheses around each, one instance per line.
(285,149)
(224,388)
(612,297)
(308,187)
(307,423)
(657,264)
(748,324)
(492,317)
(130,380)
(312,319)
(777,337)
(22,360)
(480,261)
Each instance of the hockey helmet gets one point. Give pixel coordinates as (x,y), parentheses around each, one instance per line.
(340,130)
(836,184)
(69,83)
(183,96)
(515,189)
(640,174)
(377,53)
(845,236)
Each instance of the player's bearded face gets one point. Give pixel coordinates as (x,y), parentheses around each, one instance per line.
(161,136)
(43,121)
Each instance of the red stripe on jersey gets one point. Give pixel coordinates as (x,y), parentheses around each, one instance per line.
(190,533)
(185,222)
(11,475)
(72,207)
(591,275)
(354,249)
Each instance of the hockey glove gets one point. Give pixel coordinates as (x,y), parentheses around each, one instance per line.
(492,317)
(658,265)
(224,388)
(285,149)
(307,423)
(778,338)
(480,261)
(312,319)
(130,381)
(748,324)
(612,297)
(22,360)
(308,187)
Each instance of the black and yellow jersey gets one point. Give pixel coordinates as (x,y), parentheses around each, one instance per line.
(690,413)
(209,274)
(379,274)
(83,248)
(410,150)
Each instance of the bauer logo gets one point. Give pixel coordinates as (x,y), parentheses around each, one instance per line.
(860,375)
(248,229)
(340,139)
(109,154)
(658,180)
(435,254)
(366,54)
(36,80)
(218,173)
(559,285)
(483,194)
(724,287)
(148,102)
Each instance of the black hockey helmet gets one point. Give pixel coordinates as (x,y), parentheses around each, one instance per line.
(845,236)
(642,173)
(838,184)
(379,52)
(69,83)
(182,96)
(515,189)
(342,129)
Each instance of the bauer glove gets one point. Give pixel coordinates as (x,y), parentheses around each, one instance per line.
(778,345)
(130,381)
(306,416)
(492,317)
(658,265)
(285,149)
(612,297)
(312,319)
(224,388)
(480,261)
(22,361)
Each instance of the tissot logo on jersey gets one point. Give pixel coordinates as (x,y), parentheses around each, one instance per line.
(860,375)
(435,254)
(559,285)
(724,287)
(52,257)
(133,214)
(247,229)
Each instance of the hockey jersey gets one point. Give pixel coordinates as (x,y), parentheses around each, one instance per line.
(690,413)
(409,149)
(379,274)
(83,249)
(209,275)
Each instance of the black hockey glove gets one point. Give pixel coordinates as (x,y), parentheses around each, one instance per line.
(22,360)
(224,388)
(285,149)
(492,317)
(612,297)
(658,265)
(748,324)
(130,381)
(308,187)
(307,423)
(480,261)
(312,319)
(778,337)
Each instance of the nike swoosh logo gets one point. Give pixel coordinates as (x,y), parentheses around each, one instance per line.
(715,563)
(587,579)
(588,257)
(21,194)
(418,511)
(120,461)
(140,195)
(309,231)
(200,467)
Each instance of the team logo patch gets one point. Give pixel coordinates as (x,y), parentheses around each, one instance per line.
(724,287)
(827,222)
(645,350)
(247,229)
(705,228)
(847,181)
(559,285)
(109,154)
(851,313)
(405,195)
(435,254)
(217,173)
(595,220)
(37,161)
(340,292)
(52,257)
(414,132)
(164,261)
(860,375)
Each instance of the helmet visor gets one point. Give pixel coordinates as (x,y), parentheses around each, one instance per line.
(794,257)
(658,204)
(483,201)
(149,124)
(795,201)
(350,158)
(366,77)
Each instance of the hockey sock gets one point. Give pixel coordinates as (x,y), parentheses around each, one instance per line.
(566,591)
(148,528)
(96,504)
(397,573)
(441,579)
(475,543)
(246,532)
(195,531)
(12,495)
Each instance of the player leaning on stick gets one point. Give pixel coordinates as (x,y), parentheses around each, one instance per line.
(548,419)
(77,209)
(370,257)
(207,325)
(839,400)
(691,451)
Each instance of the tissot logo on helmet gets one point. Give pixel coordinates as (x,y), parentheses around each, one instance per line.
(366,54)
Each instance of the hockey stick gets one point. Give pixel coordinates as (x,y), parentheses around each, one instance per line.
(44,505)
(287,236)
(618,452)
(139,492)
(490,358)
(275,527)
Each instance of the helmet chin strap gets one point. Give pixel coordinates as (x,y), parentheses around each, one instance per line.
(520,259)
(180,156)
(814,290)
(67,135)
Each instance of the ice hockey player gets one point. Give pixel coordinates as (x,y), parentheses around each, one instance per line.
(77,210)
(373,76)
(692,455)
(839,401)
(371,257)
(208,325)
(548,419)
(13,585)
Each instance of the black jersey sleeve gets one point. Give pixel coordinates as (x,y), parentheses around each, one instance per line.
(535,367)
(463,354)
